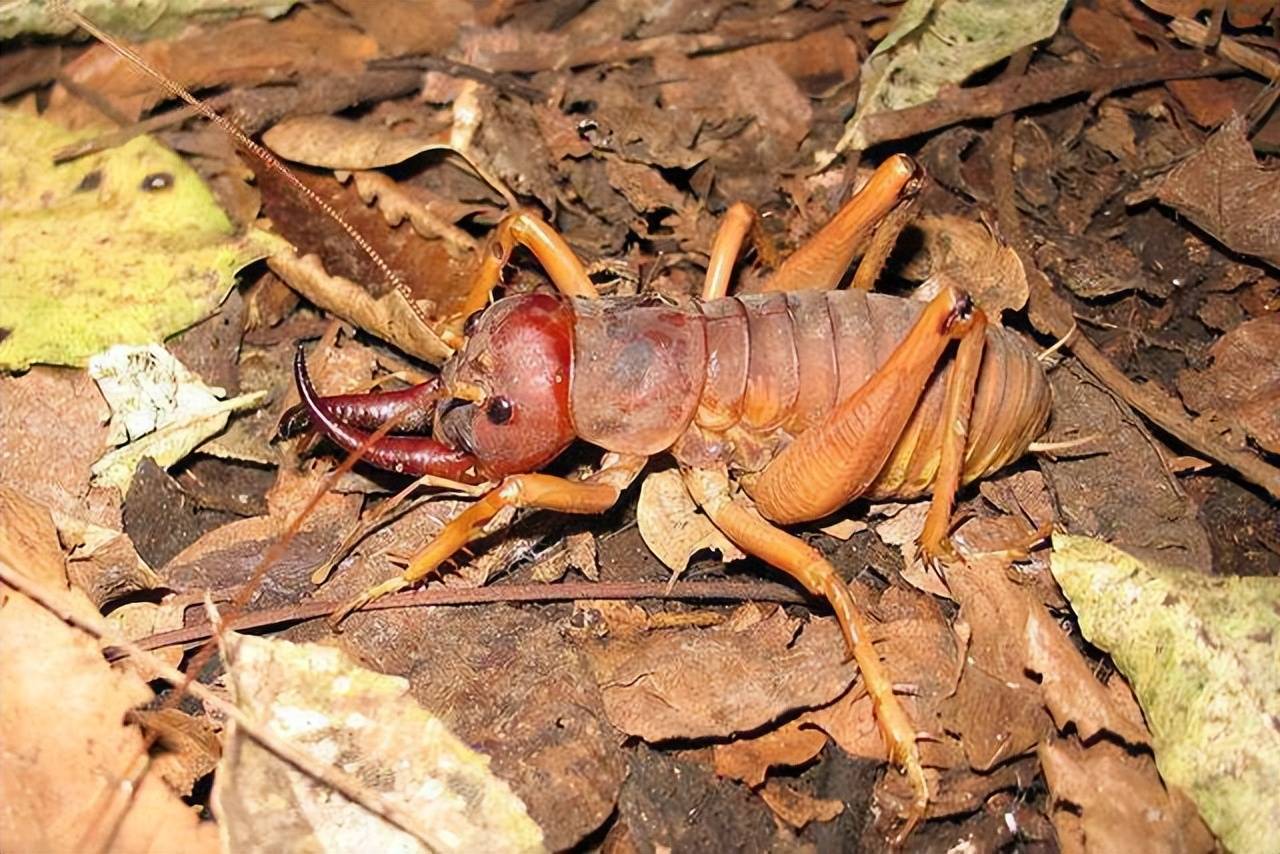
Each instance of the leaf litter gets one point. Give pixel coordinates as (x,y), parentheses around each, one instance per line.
(661,723)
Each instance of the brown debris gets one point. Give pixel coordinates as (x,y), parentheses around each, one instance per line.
(1243,383)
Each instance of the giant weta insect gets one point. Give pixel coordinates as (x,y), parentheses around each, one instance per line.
(806,396)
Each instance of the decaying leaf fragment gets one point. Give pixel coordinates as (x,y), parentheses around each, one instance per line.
(124,246)
(366,723)
(967,253)
(671,525)
(159,408)
(1243,383)
(1201,653)
(1225,190)
(934,44)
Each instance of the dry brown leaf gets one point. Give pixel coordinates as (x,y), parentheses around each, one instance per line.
(577,551)
(1109,800)
(1071,691)
(1241,13)
(798,808)
(410,26)
(247,52)
(749,759)
(389,317)
(331,142)
(64,745)
(851,723)
(1223,189)
(104,563)
(510,683)
(44,459)
(1243,383)
(188,747)
(965,252)
(29,540)
(718,682)
(672,526)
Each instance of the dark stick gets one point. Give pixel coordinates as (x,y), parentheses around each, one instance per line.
(731,591)
(956,105)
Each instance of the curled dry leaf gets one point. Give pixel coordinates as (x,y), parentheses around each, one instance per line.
(321,701)
(967,253)
(62,730)
(749,759)
(390,317)
(1071,691)
(672,526)
(1225,190)
(1243,383)
(718,682)
(188,746)
(1200,652)
(798,808)
(330,142)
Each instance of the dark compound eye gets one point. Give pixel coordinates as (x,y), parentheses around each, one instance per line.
(469,328)
(500,410)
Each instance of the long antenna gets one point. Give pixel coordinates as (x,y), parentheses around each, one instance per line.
(177,90)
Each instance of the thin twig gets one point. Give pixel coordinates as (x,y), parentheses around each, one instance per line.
(1198,35)
(729,591)
(956,105)
(346,785)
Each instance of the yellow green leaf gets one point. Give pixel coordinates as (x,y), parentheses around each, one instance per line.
(935,44)
(127,246)
(1203,655)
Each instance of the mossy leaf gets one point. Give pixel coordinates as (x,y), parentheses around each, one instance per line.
(127,246)
(1203,655)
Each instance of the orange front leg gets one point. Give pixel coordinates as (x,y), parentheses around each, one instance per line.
(594,495)
(527,229)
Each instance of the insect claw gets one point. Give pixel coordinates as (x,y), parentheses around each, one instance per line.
(394,585)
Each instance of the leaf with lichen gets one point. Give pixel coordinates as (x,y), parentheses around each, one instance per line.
(936,44)
(322,702)
(126,246)
(1203,655)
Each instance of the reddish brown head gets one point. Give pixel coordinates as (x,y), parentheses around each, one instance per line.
(507,391)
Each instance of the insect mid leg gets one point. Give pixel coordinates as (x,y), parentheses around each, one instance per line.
(740,222)
(798,559)
(868,223)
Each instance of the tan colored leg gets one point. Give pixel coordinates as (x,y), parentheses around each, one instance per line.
(596,494)
(801,561)
(740,221)
(935,543)
(883,239)
(529,230)
(821,263)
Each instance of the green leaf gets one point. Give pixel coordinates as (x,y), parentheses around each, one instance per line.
(126,246)
(936,43)
(1203,655)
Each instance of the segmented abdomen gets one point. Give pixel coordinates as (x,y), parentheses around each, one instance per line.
(782,361)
